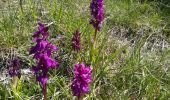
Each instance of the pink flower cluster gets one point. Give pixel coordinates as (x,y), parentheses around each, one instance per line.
(42,53)
(76,40)
(81,79)
(97,13)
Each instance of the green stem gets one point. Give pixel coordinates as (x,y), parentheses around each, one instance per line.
(81,96)
(93,47)
(14,82)
(45,92)
(20,3)
(95,35)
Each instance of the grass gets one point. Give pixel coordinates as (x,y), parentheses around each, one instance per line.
(124,70)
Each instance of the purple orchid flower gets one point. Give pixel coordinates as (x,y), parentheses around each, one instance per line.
(76,40)
(81,79)
(42,53)
(97,13)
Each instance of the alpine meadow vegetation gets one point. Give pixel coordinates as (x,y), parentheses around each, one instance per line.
(84,50)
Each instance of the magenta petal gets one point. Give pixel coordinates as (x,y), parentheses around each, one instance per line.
(42,53)
(42,79)
(97,13)
(76,40)
(35,69)
(49,62)
(55,64)
(81,79)
(85,88)
(86,70)
(43,44)
(53,47)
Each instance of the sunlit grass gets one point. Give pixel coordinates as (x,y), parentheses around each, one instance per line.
(123,71)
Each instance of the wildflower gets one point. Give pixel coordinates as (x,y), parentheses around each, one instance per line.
(81,79)
(76,40)
(97,13)
(42,52)
(42,33)
(14,71)
(14,68)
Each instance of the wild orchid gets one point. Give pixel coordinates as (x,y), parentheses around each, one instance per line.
(42,53)
(76,40)
(14,71)
(81,80)
(97,13)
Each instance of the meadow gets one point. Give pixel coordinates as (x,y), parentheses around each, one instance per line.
(129,57)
